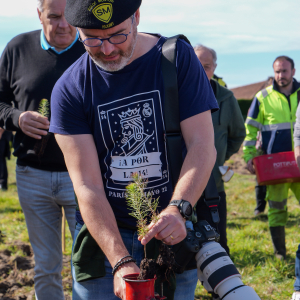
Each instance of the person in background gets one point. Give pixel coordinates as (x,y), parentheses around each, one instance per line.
(229,130)
(219,80)
(5,138)
(296,294)
(273,112)
(30,65)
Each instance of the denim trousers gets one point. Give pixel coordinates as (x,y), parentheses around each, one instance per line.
(102,288)
(297,270)
(42,194)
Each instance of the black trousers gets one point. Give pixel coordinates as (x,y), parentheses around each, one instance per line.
(204,214)
(3,167)
(260,193)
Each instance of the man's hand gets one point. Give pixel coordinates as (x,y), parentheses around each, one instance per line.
(170,228)
(250,166)
(119,283)
(32,124)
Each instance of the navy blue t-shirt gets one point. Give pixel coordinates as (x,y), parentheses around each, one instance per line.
(123,111)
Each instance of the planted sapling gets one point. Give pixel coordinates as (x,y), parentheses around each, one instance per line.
(144,209)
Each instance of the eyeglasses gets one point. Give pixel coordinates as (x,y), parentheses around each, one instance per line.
(114,39)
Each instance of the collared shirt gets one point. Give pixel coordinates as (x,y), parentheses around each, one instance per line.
(46,46)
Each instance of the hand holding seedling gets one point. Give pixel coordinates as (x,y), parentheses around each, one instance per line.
(32,123)
(170,228)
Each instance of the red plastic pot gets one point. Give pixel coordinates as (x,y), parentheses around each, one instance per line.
(139,289)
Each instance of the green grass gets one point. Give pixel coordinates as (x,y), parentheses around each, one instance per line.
(248,237)
(250,243)
(12,220)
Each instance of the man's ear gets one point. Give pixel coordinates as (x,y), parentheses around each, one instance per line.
(137,17)
(39,14)
(293,72)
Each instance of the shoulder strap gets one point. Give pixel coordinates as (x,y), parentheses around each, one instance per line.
(171,106)
(298,96)
(172,123)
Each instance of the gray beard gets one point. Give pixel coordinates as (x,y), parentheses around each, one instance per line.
(115,66)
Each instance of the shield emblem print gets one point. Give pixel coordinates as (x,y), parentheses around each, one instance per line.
(103,12)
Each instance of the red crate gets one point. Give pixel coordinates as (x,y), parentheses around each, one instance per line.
(276,168)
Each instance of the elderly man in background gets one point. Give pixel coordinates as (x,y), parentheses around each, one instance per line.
(229,130)
(29,67)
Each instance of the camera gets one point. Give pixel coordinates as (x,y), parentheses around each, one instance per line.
(215,269)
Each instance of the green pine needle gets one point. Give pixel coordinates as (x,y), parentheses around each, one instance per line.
(141,204)
(44,108)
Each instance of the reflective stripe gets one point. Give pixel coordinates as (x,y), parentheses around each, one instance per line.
(278,205)
(249,143)
(264,93)
(280,126)
(271,142)
(254,123)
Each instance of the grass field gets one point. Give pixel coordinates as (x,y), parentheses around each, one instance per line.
(249,238)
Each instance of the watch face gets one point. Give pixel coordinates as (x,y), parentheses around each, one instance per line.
(187,209)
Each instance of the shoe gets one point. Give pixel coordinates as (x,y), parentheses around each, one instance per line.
(258,213)
(296,295)
(278,239)
(3,187)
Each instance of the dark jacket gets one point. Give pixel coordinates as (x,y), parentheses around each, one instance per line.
(229,129)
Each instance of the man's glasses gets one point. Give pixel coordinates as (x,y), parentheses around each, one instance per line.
(114,39)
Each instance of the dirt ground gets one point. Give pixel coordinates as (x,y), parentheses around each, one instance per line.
(17,273)
(237,163)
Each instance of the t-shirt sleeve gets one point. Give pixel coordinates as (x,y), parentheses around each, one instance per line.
(67,112)
(195,92)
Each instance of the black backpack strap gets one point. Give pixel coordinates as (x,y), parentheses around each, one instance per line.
(212,199)
(298,96)
(171,106)
(172,124)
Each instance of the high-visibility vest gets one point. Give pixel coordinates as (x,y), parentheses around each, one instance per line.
(273,115)
(219,80)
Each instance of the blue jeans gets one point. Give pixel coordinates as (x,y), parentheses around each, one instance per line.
(42,194)
(102,288)
(297,270)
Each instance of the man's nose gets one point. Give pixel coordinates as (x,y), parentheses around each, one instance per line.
(63,22)
(107,48)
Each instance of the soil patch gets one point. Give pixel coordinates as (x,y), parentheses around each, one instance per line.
(17,273)
(237,163)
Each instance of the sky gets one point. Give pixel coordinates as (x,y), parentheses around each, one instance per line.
(247,35)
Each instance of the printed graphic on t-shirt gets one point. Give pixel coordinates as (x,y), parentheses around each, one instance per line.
(132,130)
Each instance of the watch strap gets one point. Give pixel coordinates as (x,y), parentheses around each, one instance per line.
(175,203)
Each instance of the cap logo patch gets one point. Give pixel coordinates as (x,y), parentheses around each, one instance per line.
(103,12)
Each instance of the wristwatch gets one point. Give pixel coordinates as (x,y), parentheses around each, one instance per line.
(185,208)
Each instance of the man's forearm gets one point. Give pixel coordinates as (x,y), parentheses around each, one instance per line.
(195,172)
(9,117)
(100,221)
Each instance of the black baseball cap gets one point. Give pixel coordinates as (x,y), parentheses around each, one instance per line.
(99,14)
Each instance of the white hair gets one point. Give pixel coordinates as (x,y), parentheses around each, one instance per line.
(40,5)
(212,51)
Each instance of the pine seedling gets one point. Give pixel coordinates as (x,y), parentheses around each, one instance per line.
(40,145)
(44,108)
(142,205)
